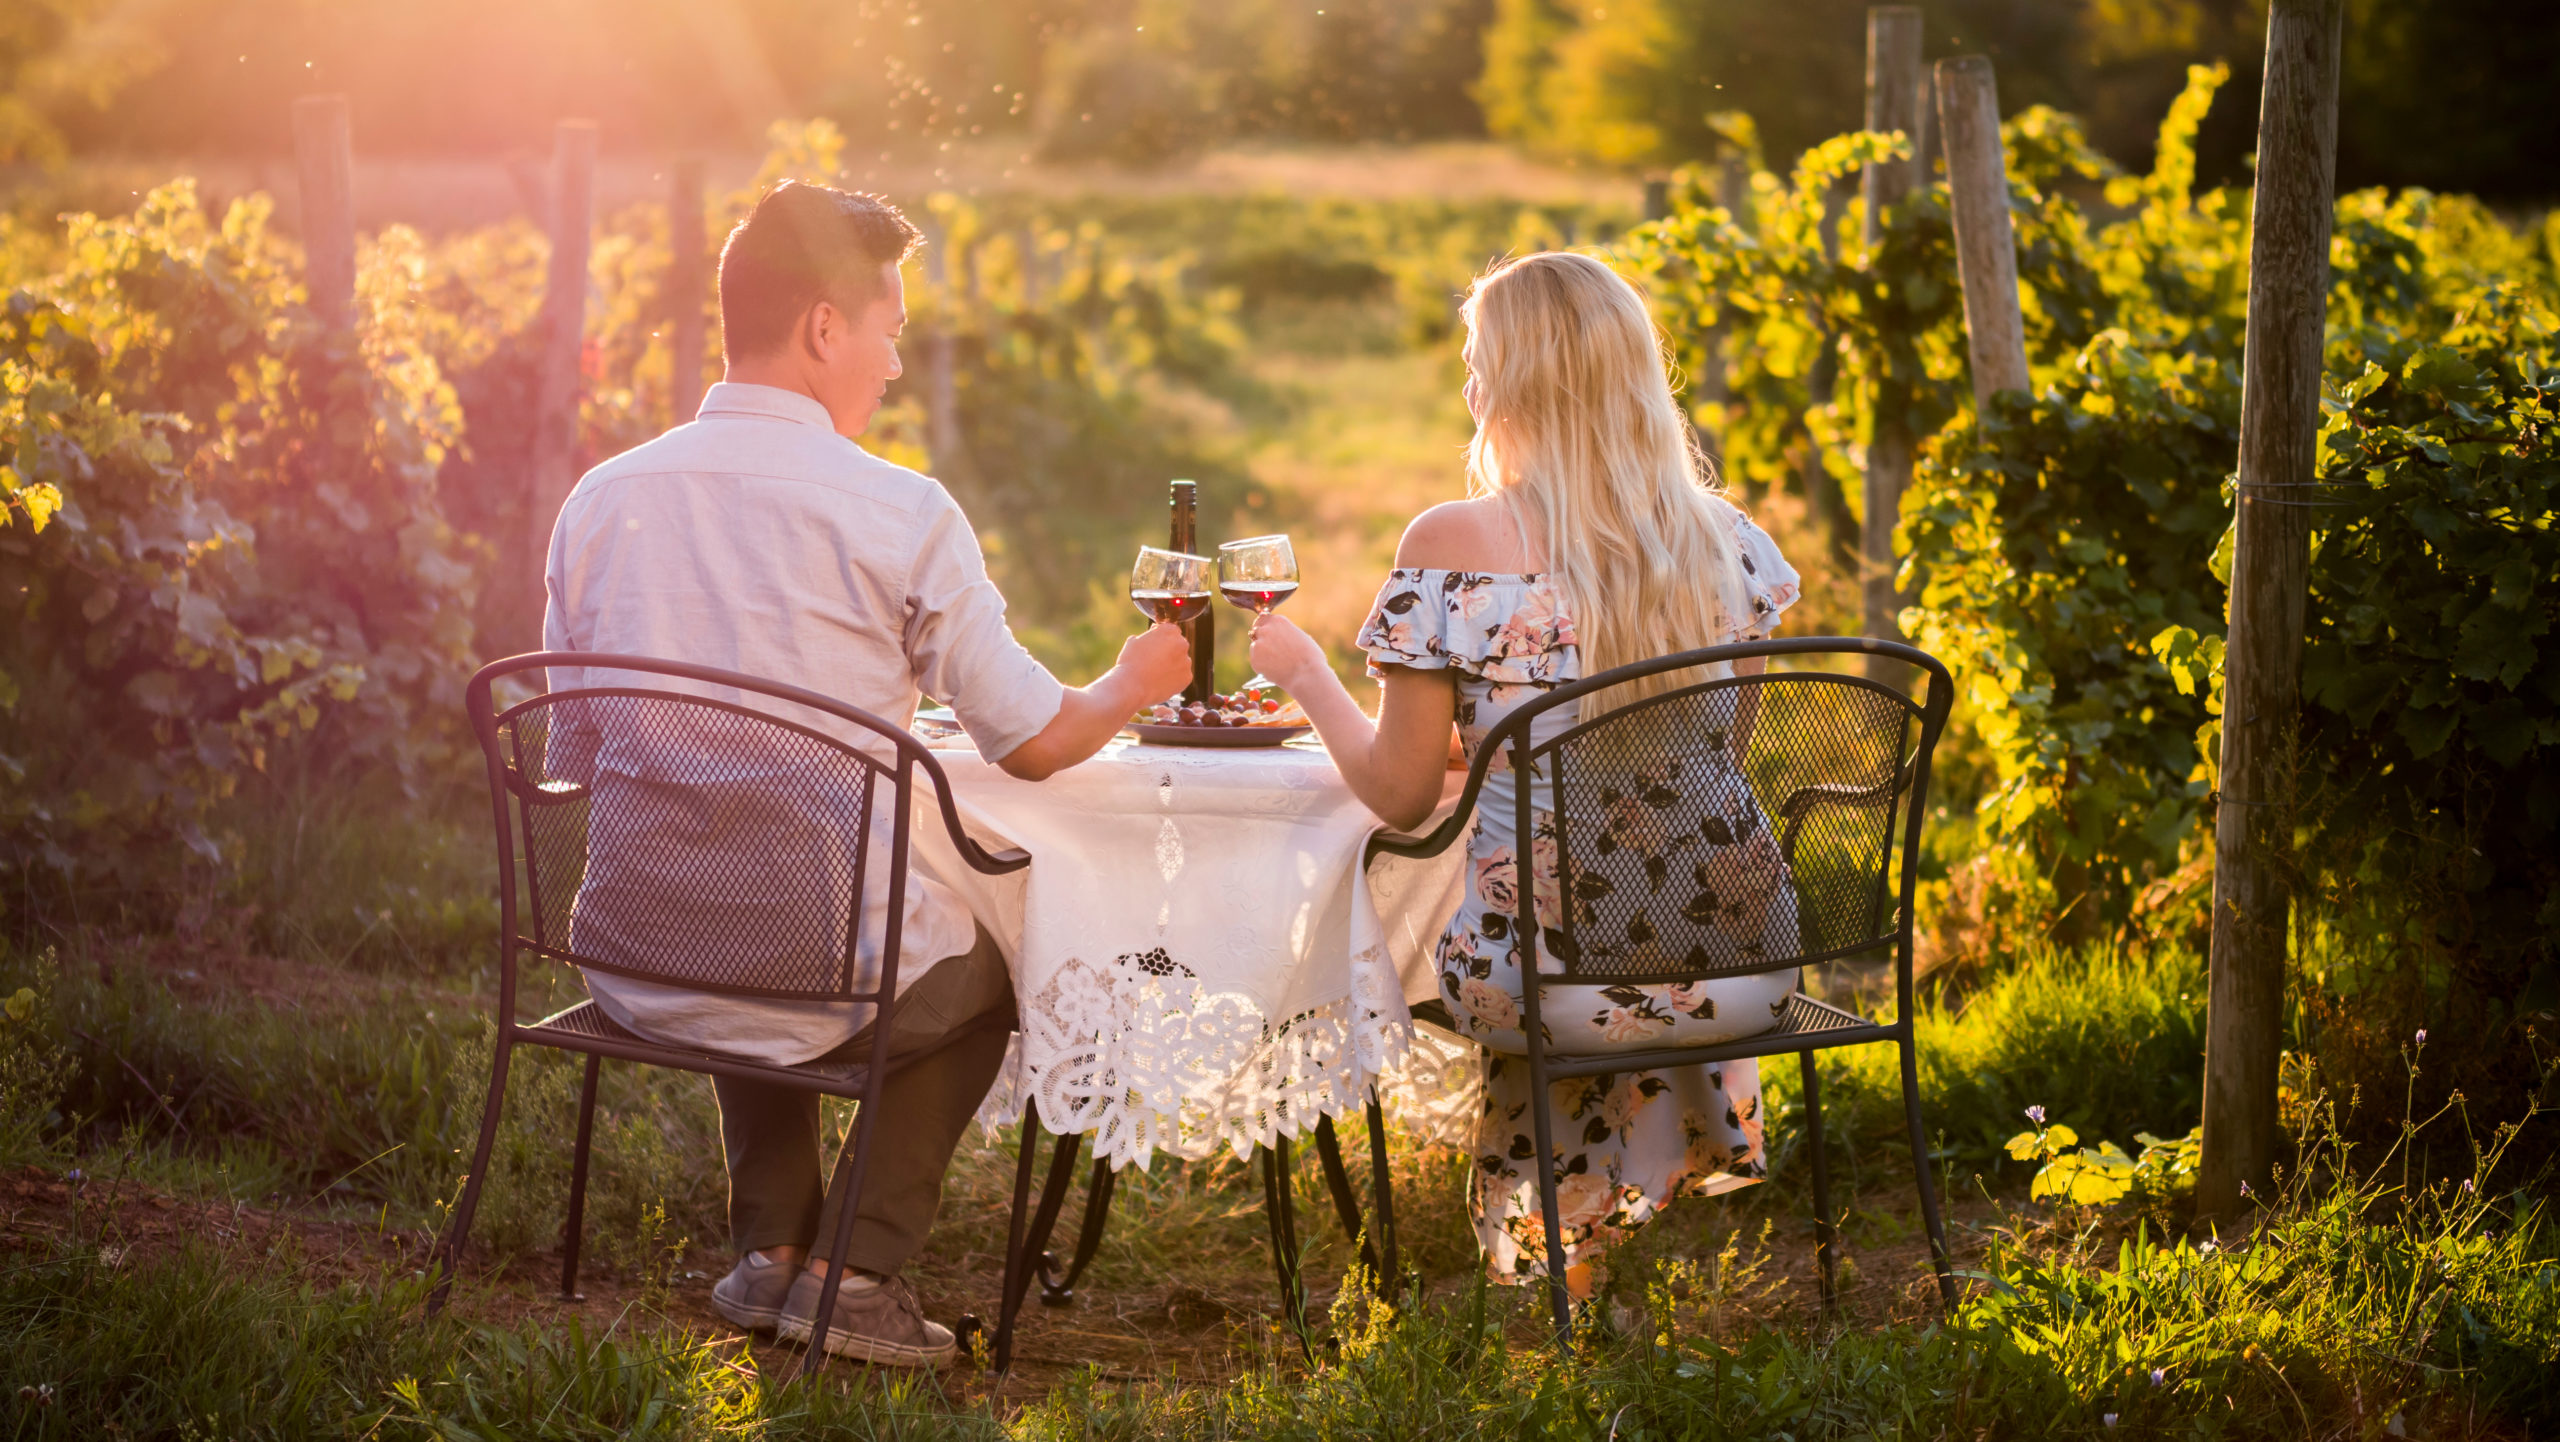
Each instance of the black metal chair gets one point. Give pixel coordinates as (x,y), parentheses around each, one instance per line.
(746,846)
(1845,758)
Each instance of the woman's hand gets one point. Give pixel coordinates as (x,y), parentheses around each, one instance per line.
(1286,654)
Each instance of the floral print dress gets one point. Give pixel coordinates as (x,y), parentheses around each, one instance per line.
(1627,1143)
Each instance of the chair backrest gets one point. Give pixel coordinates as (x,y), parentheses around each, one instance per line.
(1729,824)
(713,831)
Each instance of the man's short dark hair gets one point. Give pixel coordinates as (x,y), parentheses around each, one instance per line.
(802,244)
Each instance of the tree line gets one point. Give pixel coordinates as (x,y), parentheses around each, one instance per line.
(2450,94)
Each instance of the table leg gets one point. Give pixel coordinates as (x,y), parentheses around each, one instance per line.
(1382,1180)
(1280,1209)
(1023,1245)
(1346,1203)
(1057,1291)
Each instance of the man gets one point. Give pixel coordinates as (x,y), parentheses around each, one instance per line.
(761,539)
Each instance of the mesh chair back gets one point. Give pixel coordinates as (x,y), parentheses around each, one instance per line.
(697,841)
(1728,826)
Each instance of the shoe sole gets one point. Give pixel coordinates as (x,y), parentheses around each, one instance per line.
(856,1347)
(754,1319)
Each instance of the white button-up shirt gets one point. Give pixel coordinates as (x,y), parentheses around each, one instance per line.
(758,540)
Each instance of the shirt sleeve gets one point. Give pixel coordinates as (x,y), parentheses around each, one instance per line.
(964,654)
(1767,580)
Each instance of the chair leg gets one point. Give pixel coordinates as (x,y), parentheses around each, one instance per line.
(1027,1144)
(1824,1237)
(1280,1211)
(1020,1260)
(1559,1297)
(1059,1290)
(1382,1184)
(1346,1203)
(842,1185)
(578,1182)
(458,1230)
(1929,1213)
(848,1188)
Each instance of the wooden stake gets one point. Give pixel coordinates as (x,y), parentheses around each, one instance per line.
(564,325)
(1893,104)
(324,152)
(1986,246)
(1026,243)
(687,280)
(2262,662)
(942,381)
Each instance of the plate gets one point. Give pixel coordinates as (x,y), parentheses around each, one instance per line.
(1215,735)
(937,723)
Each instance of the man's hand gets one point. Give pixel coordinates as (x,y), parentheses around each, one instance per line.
(1284,653)
(1157,661)
(1153,665)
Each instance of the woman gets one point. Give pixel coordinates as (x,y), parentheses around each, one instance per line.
(1592,538)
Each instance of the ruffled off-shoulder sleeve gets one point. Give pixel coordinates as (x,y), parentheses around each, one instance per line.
(1512,630)
(1767,580)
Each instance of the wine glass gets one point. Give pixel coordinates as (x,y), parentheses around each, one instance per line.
(1169,585)
(1258,574)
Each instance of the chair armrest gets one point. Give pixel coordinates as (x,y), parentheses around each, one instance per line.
(1391,843)
(991,863)
(997,863)
(1836,793)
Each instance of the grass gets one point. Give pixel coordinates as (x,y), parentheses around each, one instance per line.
(2354,1310)
(2355,1302)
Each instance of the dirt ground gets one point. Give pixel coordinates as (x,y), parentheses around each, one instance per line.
(1171,1327)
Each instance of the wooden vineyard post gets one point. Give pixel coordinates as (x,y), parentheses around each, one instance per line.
(1893,103)
(2290,218)
(324,154)
(941,363)
(687,279)
(1986,246)
(564,325)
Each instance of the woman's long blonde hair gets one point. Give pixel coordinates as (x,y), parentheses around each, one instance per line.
(1579,429)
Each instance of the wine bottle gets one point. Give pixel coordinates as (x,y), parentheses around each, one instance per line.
(1203,631)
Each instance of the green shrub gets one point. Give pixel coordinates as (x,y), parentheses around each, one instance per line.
(2107,1039)
(244,550)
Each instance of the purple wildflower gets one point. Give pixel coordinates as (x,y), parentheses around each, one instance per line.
(2036,1114)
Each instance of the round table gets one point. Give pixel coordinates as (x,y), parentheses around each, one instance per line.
(1200,962)
(1199,959)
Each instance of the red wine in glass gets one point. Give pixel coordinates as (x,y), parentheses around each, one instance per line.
(1174,606)
(1170,585)
(1257,596)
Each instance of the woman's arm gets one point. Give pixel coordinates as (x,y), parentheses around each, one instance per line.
(1396,764)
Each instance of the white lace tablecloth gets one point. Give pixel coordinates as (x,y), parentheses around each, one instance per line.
(1197,959)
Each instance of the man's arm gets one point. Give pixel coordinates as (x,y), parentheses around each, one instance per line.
(965,656)
(1153,664)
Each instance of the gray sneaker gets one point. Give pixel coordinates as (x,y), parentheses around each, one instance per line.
(752,1294)
(877,1319)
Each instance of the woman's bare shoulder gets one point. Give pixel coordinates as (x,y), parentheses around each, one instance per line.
(1468,535)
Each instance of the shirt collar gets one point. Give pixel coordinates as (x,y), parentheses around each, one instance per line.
(734,398)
